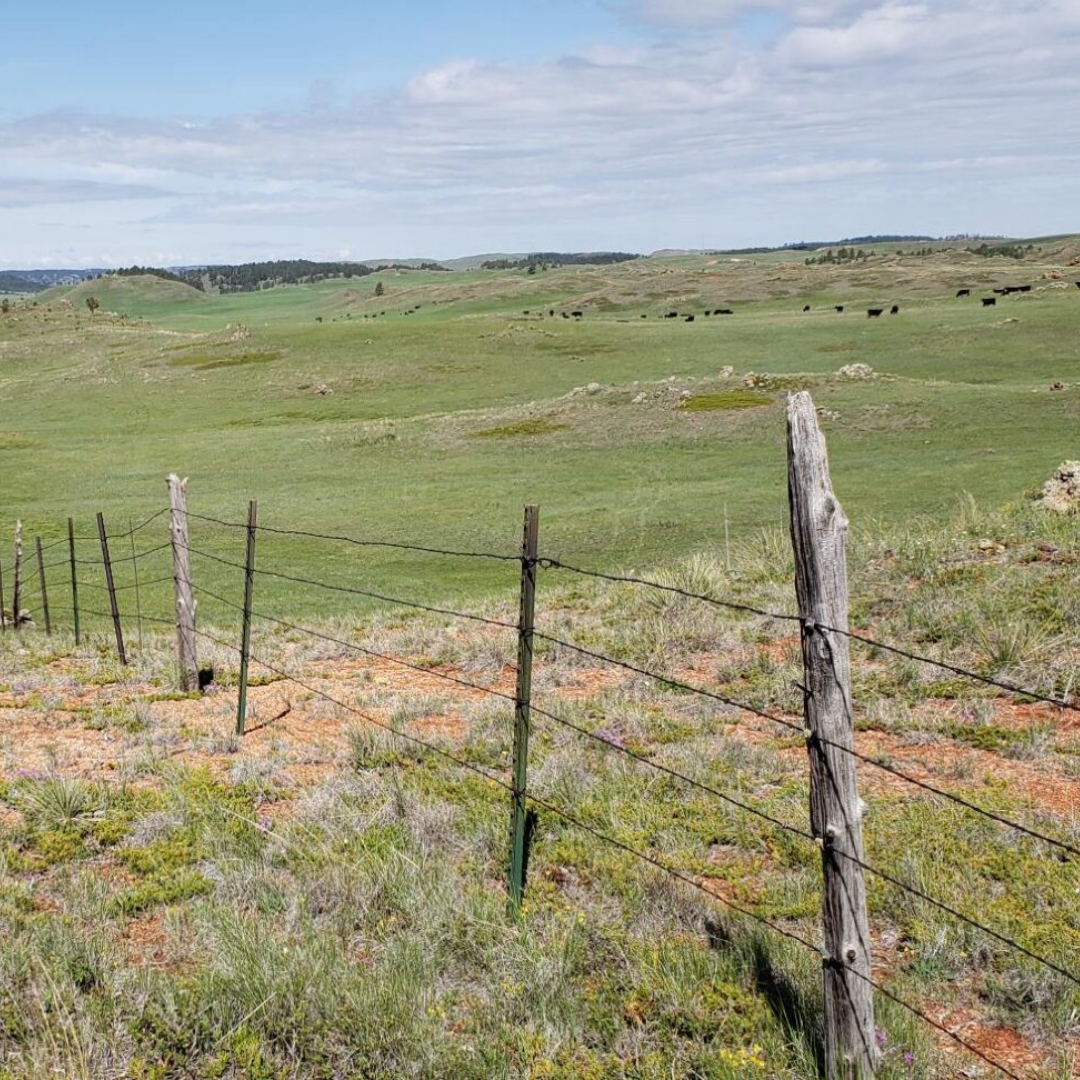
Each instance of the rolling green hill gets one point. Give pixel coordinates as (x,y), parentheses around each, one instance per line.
(436,410)
(134,295)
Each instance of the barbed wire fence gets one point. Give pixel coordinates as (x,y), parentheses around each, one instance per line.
(835,828)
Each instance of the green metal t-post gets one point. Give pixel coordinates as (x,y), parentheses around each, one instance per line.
(74,577)
(245,644)
(518,808)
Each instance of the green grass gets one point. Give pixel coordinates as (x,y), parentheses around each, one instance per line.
(322,901)
(439,426)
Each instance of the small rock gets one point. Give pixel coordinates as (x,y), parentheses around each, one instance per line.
(856,371)
(727,372)
(1061,493)
(639,399)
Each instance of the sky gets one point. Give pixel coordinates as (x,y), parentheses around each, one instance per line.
(179,134)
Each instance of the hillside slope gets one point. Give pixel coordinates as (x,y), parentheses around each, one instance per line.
(129,295)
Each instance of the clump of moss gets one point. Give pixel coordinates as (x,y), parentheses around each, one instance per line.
(520,429)
(723,400)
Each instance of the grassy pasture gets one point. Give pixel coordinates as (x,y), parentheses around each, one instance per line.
(321,899)
(436,426)
(325,899)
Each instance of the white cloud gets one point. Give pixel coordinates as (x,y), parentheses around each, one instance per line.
(855,117)
(19,193)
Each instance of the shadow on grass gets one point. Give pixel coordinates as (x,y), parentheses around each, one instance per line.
(798,1011)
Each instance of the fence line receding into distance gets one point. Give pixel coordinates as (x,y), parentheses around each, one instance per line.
(818,535)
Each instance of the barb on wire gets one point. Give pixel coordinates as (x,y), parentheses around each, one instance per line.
(356,592)
(792,726)
(401,546)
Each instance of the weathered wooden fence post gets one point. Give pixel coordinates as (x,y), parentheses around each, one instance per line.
(245,638)
(74,578)
(111,584)
(16,586)
(185,601)
(819,537)
(519,807)
(44,588)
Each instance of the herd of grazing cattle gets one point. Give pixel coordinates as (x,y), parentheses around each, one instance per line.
(871,313)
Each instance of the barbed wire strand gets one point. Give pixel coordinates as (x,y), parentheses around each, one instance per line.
(357,592)
(674,774)
(140,584)
(792,726)
(402,546)
(956,669)
(576,822)
(137,528)
(141,554)
(539,711)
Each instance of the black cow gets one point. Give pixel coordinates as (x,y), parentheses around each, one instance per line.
(874,312)
(1024,288)
(551,313)
(1078,284)
(644,316)
(577,314)
(672,315)
(840,308)
(723,311)
(989,301)
(895,309)
(707,314)
(1001,292)
(565,316)
(689,318)
(806,309)
(962,292)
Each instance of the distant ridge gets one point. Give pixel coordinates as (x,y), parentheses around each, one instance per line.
(31,281)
